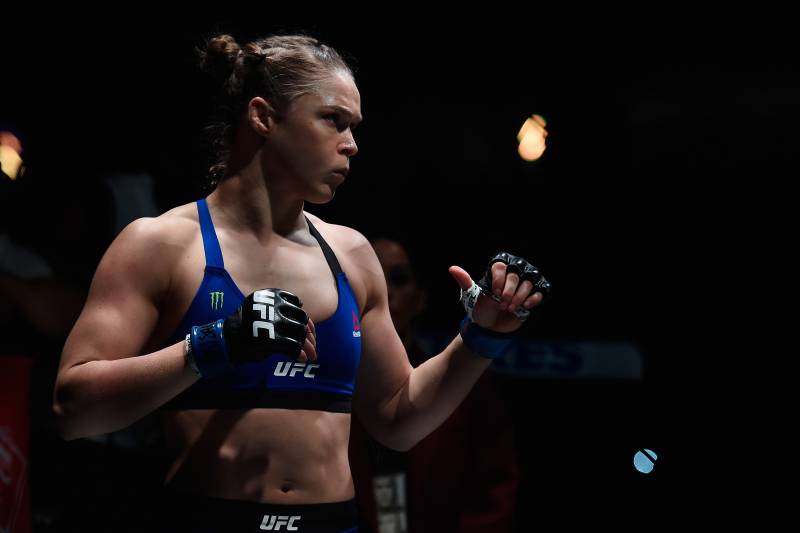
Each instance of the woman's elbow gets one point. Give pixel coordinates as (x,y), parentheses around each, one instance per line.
(65,423)
(65,411)
(392,437)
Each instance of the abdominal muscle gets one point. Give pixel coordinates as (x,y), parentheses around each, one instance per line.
(282,456)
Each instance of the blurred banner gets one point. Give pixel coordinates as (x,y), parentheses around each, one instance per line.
(15,380)
(562,359)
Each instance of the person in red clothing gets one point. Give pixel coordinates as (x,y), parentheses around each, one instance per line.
(461,478)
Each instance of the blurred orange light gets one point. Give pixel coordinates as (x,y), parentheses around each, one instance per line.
(10,159)
(531,138)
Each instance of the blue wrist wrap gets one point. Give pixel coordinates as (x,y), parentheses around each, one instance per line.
(484,342)
(208,349)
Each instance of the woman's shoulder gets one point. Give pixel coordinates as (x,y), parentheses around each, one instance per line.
(177,225)
(158,238)
(147,250)
(357,257)
(343,239)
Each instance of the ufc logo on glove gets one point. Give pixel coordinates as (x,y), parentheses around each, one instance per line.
(264,303)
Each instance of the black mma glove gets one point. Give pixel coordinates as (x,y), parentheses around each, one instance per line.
(268,321)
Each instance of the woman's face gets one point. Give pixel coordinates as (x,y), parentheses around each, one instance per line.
(311,145)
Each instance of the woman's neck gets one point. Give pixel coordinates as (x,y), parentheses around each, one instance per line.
(249,200)
(245,203)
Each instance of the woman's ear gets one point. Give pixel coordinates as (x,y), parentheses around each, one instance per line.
(260,116)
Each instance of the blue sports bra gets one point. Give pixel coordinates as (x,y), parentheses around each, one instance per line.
(278,381)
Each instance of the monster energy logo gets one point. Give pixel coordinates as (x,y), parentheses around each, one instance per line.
(217,299)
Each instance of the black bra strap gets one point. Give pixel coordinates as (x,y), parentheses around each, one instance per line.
(330,257)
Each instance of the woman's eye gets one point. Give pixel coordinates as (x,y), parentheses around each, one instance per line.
(341,126)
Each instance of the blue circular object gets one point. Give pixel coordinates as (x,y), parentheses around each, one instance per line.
(645,461)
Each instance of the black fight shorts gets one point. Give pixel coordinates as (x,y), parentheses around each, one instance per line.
(188,513)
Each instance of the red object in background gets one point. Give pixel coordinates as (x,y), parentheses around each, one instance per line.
(15,504)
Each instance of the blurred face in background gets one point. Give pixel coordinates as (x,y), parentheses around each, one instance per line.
(406,298)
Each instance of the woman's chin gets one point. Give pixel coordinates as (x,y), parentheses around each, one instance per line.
(323,195)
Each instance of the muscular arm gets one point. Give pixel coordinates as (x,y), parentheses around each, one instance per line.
(101,385)
(397,403)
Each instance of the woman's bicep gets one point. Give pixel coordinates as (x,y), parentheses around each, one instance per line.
(383,371)
(121,310)
(384,368)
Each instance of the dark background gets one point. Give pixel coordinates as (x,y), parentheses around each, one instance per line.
(653,211)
